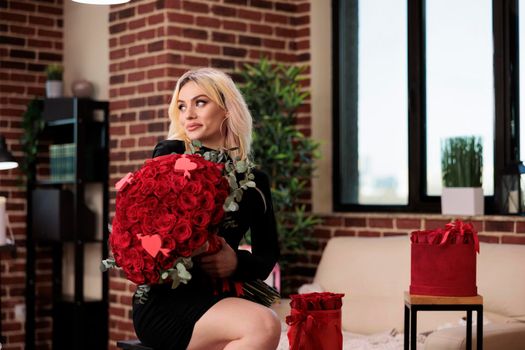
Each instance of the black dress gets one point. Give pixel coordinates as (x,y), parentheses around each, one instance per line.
(166,320)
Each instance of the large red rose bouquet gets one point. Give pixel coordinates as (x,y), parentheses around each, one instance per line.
(169,210)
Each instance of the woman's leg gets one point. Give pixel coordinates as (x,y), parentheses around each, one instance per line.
(235,323)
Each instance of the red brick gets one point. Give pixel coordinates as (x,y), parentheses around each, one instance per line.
(380,222)
(274,44)
(137,23)
(46,21)
(414,224)
(22,30)
(224,11)
(355,222)
(298,21)
(261,4)
(137,129)
(368,234)
(432,224)
(499,226)
(195,7)
(136,50)
(488,239)
(180,18)
(520,227)
(195,61)
(285,32)
(234,25)
(343,233)
(208,22)
(223,37)
(195,33)
(208,49)
(513,239)
(273,18)
(156,19)
(146,34)
(234,51)
(285,7)
(247,14)
(146,8)
(261,29)
(127,65)
(249,40)
(322,233)
(180,45)
(127,39)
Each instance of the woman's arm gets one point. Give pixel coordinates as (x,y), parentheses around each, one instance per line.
(265,243)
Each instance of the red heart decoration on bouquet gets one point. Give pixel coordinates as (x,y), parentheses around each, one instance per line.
(151,244)
(184,164)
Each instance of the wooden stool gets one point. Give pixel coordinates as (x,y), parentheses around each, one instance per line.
(133,344)
(415,303)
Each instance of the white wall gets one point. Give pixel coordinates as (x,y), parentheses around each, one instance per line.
(86,56)
(86,46)
(321,46)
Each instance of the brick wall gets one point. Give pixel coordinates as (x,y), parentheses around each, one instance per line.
(154,42)
(30,38)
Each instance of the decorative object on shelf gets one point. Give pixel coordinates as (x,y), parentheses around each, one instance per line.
(513,189)
(461,171)
(7,161)
(62,161)
(82,88)
(54,83)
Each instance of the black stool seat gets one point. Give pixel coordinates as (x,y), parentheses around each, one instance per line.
(133,344)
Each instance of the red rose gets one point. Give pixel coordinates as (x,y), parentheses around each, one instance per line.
(162,187)
(187,201)
(182,231)
(201,218)
(164,223)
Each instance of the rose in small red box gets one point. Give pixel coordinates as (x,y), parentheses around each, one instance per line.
(315,321)
(443,261)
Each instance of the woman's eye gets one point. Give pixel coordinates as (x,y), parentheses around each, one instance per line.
(200,103)
(182,107)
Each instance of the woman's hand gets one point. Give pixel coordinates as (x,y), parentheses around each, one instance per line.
(220,264)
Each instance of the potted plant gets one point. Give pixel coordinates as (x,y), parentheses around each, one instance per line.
(274,94)
(54,73)
(461,171)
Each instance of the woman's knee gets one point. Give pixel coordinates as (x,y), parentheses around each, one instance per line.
(268,327)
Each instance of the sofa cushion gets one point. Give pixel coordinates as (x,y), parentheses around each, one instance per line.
(501,282)
(495,337)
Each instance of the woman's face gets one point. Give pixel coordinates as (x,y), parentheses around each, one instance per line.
(199,116)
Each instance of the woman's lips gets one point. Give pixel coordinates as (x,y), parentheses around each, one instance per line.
(192,127)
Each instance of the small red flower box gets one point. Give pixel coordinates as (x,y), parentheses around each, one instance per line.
(443,262)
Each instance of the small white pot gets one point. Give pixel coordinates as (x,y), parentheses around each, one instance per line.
(53,88)
(466,201)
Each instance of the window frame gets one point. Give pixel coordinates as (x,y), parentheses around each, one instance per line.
(506,107)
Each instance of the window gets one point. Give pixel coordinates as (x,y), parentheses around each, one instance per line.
(459,82)
(375,83)
(408,73)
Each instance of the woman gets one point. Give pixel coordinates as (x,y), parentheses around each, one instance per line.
(207,106)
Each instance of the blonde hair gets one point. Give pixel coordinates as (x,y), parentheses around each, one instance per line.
(221,89)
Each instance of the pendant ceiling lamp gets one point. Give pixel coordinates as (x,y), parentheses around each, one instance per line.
(102,2)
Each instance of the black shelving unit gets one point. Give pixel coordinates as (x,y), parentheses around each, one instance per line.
(69,215)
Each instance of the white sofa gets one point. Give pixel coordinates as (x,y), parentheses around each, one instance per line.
(374,273)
